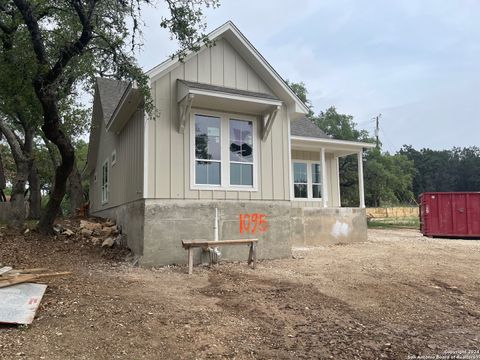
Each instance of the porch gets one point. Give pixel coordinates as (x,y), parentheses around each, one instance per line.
(315,175)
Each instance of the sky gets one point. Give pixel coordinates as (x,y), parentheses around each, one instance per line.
(417,63)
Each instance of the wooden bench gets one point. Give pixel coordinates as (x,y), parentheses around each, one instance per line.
(205,245)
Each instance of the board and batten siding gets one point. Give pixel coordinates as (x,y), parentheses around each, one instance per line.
(126,175)
(168,151)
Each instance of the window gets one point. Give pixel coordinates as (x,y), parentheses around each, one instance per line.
(241,152)
(207,150)
(105,182)
(300,184)
(223,152)
(114,157)
(316,181)
(307,180)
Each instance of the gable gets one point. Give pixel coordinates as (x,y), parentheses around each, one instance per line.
(222,65)
(233,62)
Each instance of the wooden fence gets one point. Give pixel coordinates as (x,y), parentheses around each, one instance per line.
(392,212)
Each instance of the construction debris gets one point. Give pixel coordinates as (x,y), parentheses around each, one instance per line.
(97,231)
(21,298)
(20,303)
(14,277)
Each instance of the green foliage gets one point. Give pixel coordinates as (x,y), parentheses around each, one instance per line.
(340,126)
(388,179)
(301,91)
(444,170)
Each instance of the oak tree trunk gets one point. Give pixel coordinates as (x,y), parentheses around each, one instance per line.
(75,191)
(53,133)
(35,199)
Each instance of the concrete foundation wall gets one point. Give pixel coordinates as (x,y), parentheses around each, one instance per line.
(154,229)
(130,217)
(169,222)
(326,226)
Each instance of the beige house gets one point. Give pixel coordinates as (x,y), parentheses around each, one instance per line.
(228,137)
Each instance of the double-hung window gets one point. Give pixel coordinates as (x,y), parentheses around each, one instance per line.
(307,180)
(224,151)
(207,150)
(105,180)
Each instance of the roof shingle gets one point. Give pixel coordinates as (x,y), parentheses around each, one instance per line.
(305,127)
(110,92)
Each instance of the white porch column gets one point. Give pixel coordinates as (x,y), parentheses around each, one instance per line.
(337,169)
(361,190)
(324,178)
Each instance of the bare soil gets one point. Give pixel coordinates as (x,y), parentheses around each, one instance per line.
(397,295)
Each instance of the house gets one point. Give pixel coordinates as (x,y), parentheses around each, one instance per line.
(229,137)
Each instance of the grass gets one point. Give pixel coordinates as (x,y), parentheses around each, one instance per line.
(394,223)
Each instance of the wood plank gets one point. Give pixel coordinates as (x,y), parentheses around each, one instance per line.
(200,243)
(23,278)
(5,269)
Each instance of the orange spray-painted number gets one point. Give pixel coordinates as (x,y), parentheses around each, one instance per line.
(253,223)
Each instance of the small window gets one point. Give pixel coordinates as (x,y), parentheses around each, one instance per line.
(307,180)
(207,150)
(316,181)
(105,179)
(95,177)
(241,152)
(300,182)
(114,157)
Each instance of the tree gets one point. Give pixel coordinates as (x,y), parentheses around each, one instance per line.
(301,91)
(69,42)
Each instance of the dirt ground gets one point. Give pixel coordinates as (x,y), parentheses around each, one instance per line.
(393,297)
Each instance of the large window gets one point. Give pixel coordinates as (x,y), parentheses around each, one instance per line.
(307,180)
(224,151)
(105,182)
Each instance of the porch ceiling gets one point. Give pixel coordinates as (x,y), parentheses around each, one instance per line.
(338,147)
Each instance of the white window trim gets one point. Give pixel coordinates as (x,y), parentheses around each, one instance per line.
(107,193)
(309,180)
(224,151)
(114,157)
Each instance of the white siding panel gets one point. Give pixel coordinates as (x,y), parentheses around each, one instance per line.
(229,72)
(216,54)
(204,66)
(162,138)
(177,188)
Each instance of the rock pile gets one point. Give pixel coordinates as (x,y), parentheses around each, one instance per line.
(96,231)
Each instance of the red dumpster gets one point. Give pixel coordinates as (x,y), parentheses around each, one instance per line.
(450,214)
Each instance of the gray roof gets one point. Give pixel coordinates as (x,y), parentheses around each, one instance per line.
(110,92)
(305,127)
(208,87)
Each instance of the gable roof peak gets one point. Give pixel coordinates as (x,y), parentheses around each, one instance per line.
(252,56)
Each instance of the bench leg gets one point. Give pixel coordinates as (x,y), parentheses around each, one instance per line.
(250,254)
(254,255)
(190,261)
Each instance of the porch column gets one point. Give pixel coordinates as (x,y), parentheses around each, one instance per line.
(361,191)
(324,178)
(337,169)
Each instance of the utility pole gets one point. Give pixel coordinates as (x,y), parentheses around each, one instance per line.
(377,128)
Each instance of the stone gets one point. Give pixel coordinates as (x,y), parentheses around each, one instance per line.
(86,232)
(89,225)
(68,232)
(108,242)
